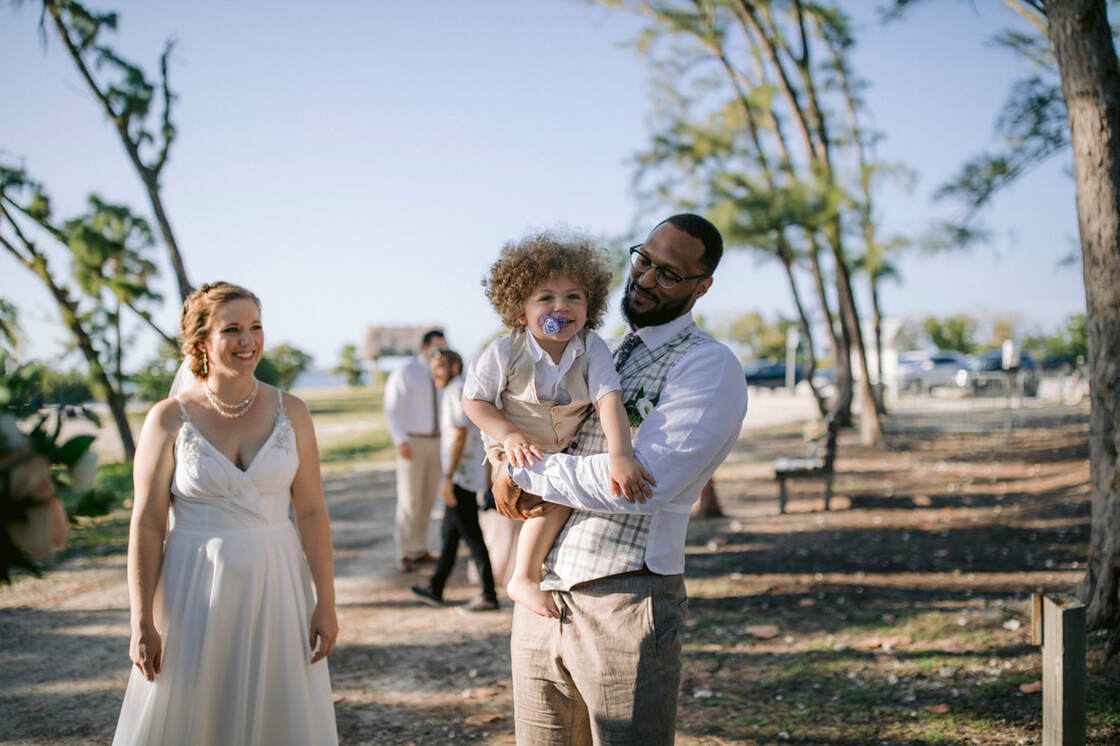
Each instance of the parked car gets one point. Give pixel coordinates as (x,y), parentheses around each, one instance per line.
(770,374)
(922,372)
(986,375)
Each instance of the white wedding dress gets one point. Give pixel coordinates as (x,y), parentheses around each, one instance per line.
(233,606)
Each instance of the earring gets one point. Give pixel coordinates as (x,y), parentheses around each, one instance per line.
(205,363)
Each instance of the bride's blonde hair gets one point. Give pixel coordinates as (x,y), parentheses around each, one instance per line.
(198,309)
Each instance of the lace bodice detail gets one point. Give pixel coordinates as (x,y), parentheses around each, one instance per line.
(209,492)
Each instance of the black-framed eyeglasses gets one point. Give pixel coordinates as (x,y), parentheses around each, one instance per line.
(665,277)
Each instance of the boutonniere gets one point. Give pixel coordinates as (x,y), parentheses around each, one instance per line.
(638,408)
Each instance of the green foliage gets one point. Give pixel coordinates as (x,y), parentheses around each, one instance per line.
(9,327)
(153,380)
(349,366)
(1070,342)
(110,272)
(284,364)
(767,339)
(956,332)
(41,385)
(70,462)
(267,372)
(128,94)
(1004,326)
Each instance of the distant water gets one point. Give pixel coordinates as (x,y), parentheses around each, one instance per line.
(320,379)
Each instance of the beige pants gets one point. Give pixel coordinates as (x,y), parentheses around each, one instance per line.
(417,488)
(606,672)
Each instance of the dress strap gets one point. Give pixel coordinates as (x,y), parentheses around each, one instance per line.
(280,402)
(182,409)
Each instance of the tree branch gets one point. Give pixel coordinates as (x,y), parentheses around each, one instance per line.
(147,317)
(168,129)
(119,121)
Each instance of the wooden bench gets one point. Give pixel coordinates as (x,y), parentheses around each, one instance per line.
(814,467)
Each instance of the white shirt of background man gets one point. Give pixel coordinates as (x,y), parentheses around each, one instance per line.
(409,400)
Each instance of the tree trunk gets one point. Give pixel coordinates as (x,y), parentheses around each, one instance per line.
(151,185)
(870,428)
(841,355)
(877,319)
(113,397)
(708,504)
(1083,46)
(806,330)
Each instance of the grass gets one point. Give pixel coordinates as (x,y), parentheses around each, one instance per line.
(357,400)
(373,445)
(106,532)
(823,687)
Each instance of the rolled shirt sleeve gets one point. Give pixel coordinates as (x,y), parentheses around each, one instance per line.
(486,375)
(688,434)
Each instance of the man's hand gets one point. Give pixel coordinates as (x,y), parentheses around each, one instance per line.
(404,450)
(505,491)
(511,501)
(447,493)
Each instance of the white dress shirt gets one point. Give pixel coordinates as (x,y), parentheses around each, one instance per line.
(410,404)
(696,422)
(468,472)
(486,378)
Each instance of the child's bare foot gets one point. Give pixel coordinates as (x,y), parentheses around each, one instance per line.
(529,594)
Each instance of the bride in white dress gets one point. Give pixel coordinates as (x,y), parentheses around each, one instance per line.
(231,618)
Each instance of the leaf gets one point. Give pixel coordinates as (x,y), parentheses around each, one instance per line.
(763,631)
(894,641)
(484,718)
(69,453)
(941,709)
(483,692)
(91,416)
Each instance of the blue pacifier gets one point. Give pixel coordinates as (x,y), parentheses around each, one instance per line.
(552,325)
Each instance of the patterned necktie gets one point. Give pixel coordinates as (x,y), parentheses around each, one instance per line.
(622,354)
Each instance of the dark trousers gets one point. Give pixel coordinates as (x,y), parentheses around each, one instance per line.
(462,520)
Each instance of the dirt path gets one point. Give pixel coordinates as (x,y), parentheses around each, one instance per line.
(896,616)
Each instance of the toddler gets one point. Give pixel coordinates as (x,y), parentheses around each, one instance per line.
(531,388)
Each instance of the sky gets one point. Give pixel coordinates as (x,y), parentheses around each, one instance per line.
(361,163)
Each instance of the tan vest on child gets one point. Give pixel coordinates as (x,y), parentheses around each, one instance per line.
(550,426)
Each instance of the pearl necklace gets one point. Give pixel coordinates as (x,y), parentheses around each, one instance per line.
(226,409)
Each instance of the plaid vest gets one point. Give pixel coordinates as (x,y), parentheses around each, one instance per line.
(597,545)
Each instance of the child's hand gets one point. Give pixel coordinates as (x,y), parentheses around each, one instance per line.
(520,451)
(630,479)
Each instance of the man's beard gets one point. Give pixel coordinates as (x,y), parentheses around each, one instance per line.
(656,316)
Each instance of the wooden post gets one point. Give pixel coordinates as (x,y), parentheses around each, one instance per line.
(1036,619)
(1063,668)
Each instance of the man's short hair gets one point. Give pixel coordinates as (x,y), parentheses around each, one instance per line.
(701,229)
(430,335)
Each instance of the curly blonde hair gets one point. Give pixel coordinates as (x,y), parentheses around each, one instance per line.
(199,307)
(525,264)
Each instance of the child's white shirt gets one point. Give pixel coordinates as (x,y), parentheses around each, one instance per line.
(486,376)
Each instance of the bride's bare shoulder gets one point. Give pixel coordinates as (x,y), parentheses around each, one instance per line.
(164,416)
